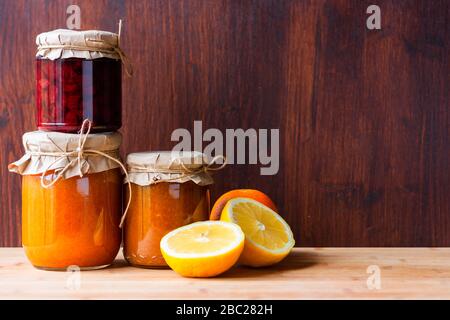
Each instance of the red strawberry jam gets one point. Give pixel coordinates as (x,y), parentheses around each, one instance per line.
(71,90)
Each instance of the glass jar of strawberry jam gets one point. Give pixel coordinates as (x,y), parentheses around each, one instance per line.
(169,190)
(78,76)
(71,200)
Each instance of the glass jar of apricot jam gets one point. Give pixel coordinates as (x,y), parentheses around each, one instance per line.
(78,76)
(70,210)
(169,190)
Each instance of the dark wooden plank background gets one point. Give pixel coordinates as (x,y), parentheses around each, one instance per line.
(363,115)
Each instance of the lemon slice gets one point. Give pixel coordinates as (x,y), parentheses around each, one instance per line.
(203,249)
(268,238)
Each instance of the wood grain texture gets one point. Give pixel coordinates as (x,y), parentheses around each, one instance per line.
(363,115)
(328,273)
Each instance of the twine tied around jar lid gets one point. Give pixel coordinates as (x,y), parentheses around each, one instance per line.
(78,157)
(163,173)
(94,45)
(205,166)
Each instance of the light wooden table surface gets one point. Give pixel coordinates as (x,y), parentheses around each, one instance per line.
(327,273)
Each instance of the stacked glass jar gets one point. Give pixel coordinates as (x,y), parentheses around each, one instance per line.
(72,181)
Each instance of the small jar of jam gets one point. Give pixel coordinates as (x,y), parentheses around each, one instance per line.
(71,201)
(169,190)
(78,76)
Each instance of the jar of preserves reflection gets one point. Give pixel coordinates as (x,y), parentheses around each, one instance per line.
(71,201)
(169,190)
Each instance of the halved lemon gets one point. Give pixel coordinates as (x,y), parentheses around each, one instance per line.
(203,249)
(268,238)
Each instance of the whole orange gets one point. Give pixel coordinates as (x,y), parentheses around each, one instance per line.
(240,193)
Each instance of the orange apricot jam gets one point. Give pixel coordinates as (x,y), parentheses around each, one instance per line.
(73,222)
(156,210)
